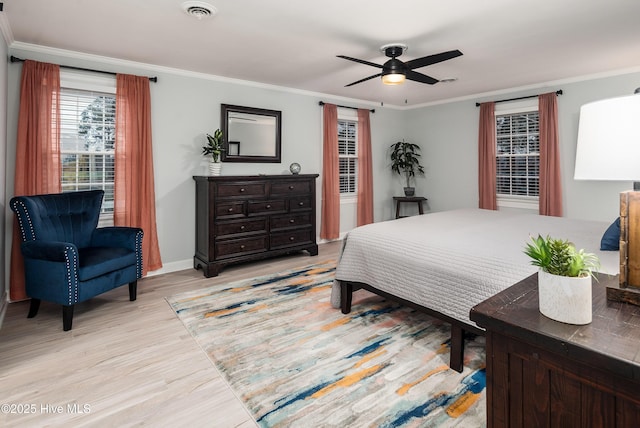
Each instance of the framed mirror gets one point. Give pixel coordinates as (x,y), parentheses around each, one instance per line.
(250,134)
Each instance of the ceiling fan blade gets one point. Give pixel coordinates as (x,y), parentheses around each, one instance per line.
(364,80)
(432,59)
(419,77)
(361,61)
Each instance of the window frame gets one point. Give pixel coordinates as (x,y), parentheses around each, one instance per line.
(515,201)
(99,84)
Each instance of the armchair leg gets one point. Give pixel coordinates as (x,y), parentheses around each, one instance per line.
(67,317)
(33,308)
(133,290)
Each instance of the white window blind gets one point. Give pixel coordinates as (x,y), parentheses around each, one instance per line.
(348,156)
(87,120)
(518,155)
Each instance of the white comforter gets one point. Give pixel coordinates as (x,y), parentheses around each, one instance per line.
(450,261)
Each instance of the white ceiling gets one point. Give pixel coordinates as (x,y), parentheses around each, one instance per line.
(294,43)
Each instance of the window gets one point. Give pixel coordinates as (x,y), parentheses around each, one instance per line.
(518,158)
(87,135)
(348,156)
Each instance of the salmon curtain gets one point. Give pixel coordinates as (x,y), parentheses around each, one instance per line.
(330,222)
(365,172)
(37,166)
(550,180)
(134,195)
(487,157)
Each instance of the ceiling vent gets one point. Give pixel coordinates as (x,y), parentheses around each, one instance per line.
(198,9)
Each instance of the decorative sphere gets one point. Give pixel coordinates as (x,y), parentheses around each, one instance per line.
(294,168)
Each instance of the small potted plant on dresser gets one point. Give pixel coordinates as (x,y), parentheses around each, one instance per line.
(214,149)
(564,279)
(405,160)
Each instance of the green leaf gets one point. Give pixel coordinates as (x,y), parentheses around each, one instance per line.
(405,159)
(560,257)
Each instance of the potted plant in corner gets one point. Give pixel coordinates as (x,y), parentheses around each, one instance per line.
(405,159)
(214,149)
(564,279)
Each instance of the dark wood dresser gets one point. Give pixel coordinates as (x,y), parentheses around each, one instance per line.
(250,217)
(542,373)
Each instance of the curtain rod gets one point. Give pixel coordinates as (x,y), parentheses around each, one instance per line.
(558,92)
(16,59)
(321,103)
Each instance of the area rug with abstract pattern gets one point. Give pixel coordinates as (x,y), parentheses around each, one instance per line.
(297,362)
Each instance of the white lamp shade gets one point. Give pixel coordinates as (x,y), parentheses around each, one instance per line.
(609,140)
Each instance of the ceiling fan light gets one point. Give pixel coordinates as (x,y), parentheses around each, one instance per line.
(393,78)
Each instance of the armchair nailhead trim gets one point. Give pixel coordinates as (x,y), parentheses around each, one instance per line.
(139,254)
(19,205)
(73,293)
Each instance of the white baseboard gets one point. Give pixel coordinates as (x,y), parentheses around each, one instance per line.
(173,267)
(188,264)
(170,267)
(340,238)
(4,303)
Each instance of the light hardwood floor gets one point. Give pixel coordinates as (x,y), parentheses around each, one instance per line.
(123,363)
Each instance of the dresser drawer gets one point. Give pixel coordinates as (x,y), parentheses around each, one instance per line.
(226,228)
(230,209)
(300,203)
(291,187)
(290,239)
(243,190)
(289,221)
(272,206)
(239,247)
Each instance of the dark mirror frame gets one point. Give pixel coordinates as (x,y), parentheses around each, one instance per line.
(225,109)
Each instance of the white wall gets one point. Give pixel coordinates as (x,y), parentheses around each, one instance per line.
(448,134)
(186,106)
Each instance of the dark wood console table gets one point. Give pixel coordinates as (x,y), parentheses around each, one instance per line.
(542,373)
(413,199)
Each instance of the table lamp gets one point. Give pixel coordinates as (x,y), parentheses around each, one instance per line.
(609,149)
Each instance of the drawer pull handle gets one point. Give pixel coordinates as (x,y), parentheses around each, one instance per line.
(291,187)
(241,227)
(292,221)
(268,206)
(292,239)
(230,210)
(242,247)
(300,204)
(241,189)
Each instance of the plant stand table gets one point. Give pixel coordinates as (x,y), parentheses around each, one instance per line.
(413,199)
(544,373)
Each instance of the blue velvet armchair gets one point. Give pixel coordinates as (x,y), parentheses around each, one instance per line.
(67,258)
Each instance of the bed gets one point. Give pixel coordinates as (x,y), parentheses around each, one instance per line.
(447,262)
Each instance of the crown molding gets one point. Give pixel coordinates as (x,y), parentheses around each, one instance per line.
(545,85)
(115,63)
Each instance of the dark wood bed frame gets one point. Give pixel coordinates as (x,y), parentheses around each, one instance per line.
(458,328)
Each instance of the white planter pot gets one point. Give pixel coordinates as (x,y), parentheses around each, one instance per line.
(564,298)
(215,168)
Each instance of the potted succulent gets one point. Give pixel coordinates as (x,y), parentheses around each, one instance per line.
(405,159)
(214,149)
(564,279)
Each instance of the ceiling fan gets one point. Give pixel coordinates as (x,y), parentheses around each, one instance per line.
(394,71)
